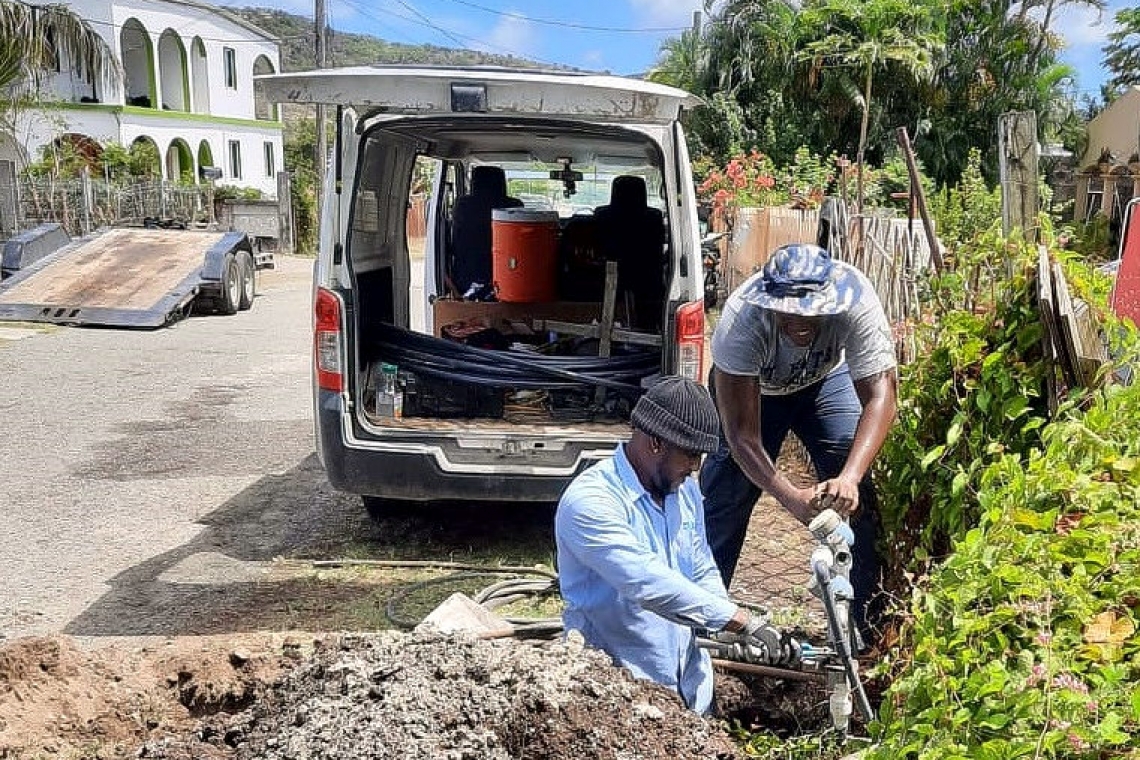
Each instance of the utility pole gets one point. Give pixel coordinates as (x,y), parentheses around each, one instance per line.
(322,150)
(1017,153)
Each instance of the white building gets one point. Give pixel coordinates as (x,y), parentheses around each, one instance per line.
(1107,187)
(186,86)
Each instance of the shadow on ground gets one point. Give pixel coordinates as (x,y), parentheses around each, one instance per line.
(229,579)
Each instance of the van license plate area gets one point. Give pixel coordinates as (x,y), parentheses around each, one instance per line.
(512,447)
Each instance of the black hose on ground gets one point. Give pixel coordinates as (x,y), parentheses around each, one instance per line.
(496,595)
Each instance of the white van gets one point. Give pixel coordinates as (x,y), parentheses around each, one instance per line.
(517,351)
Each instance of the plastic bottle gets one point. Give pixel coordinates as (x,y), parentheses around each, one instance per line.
(389,399)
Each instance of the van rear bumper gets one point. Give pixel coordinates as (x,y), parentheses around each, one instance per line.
(413,470)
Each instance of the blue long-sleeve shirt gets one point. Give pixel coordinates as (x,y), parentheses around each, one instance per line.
(638,577)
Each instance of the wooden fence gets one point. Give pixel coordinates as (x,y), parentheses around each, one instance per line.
(417,217)
(756,232)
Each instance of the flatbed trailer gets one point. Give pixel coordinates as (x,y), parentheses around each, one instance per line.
(128,277)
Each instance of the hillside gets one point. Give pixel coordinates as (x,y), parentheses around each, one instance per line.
(349,49)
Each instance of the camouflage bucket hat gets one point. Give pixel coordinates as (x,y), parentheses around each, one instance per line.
(802,279)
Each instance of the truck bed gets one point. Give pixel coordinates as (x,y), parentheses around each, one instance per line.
(120,278)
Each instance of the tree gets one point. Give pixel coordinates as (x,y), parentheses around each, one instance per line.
(32,41)
(683,62)
(869,37)
(33,37)
(1122,53)
(1000,56)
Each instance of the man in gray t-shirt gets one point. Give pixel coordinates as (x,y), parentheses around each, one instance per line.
(801,346)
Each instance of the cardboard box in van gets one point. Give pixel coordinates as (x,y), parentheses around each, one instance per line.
(490,342)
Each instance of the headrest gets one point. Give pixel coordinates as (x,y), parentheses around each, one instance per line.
(489,182)
(628,191)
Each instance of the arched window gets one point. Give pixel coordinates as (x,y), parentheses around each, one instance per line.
(173,72)
(262,108)
(138,65)
(200,74)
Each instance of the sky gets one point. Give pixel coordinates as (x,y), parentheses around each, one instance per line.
(619,36)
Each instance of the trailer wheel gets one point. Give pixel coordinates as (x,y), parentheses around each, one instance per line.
(230,294)
(248,274)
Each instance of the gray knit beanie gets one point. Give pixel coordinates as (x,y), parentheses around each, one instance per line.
(680,412)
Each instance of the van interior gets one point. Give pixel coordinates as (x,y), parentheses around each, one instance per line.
(507,270)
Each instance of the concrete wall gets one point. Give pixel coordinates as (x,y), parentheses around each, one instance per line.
(1116,128)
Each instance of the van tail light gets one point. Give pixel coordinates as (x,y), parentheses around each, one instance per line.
(327,343)
(691,340)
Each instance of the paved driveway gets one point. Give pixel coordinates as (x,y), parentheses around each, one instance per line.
(114,442)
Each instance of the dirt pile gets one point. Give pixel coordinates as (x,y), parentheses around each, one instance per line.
(58,699)
(419,696)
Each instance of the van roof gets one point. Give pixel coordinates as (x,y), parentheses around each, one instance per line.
(426,90)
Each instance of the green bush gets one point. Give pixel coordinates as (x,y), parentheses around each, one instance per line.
(233,192)
(1013,533)
(1023,643)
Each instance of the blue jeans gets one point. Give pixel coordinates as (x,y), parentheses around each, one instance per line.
(824,417)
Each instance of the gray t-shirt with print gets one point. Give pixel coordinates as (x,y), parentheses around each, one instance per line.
(746,342)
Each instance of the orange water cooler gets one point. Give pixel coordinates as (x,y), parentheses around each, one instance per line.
(524,255)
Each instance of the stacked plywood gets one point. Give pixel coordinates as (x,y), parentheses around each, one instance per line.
(1072,336)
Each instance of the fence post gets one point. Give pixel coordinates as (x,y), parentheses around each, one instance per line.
(918,197)
(1017,154)
(285,212)
(85,194)
(9,205)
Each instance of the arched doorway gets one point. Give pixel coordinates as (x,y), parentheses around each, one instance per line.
(262,108)
(180,162)
(144,159)
(200,74)
(205,155)
(173,72)
(138,65)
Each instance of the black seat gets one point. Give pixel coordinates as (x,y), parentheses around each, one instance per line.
(471,226)
(632,233)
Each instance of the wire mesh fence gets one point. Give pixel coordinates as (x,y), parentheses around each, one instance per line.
(83,205)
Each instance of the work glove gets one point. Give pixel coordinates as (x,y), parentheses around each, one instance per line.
(760,643)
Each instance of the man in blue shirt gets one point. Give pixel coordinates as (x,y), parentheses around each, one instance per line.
(634,566)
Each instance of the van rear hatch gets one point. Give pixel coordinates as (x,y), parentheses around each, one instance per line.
(561,140)
(424,91)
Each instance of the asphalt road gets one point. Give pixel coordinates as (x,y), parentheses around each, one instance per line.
(121,447)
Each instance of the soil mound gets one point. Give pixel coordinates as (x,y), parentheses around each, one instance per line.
(423,696)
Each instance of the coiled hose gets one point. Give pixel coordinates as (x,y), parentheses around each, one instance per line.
(448,360)
(496,595)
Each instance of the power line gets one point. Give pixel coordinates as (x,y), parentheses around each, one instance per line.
(456,37)
(427,21)
(571,24)
(395,32)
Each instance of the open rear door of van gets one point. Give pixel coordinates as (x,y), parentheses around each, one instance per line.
(427,91)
